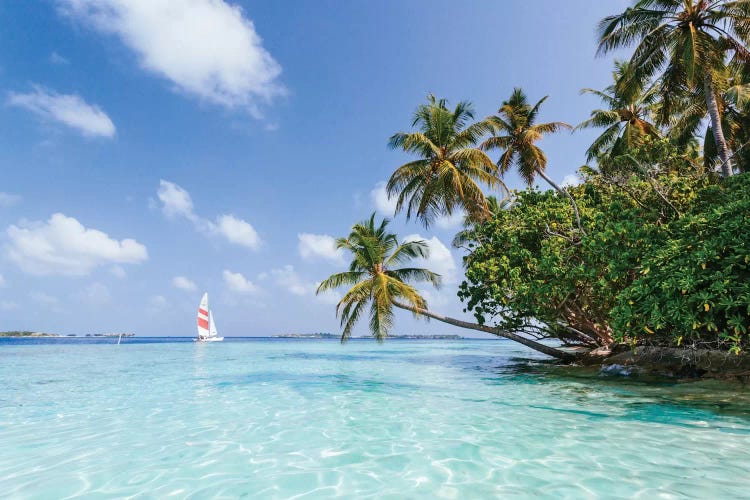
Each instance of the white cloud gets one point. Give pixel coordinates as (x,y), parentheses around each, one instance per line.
(237,231)
(177,202)
(383,204)
(451,221)
(206,48)
(8,199)
(8,305)
(57,59)
(64,246)
(118,272)
(3,283)
(96,294)
(571,180)
(183,283)
(322,246)
(68,109)
(440,261)
(288,279)
(236,282)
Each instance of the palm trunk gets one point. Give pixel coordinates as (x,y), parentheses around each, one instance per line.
(716,128)
(564,192)
(550,351)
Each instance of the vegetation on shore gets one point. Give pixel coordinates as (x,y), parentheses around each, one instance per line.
(27,334)
(652,248)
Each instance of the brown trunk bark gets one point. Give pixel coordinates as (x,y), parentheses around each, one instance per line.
(716,128)
(564,192)
(550,351)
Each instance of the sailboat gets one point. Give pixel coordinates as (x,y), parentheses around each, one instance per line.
(206,326)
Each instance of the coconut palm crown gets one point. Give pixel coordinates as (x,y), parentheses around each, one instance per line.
(687,44)
(450,169)
(516,133)
(375,278)
(626,119)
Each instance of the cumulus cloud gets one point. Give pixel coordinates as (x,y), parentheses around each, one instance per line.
(451,221)
(440,261)
(183,283)
(206,48)
(321,246)
(177,202)
(288,279)
(571,180)
(62,245)
(236,282)
(237,231)
(69,109)
(381,201)
(8,199)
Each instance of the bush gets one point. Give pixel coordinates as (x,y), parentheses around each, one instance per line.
(694,288)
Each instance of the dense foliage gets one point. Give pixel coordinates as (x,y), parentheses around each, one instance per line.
(663,271)
(694,287)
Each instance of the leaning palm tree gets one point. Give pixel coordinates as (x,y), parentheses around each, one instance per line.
(626,118)
(376,281)
(450,170)
(516,133)
(686,43)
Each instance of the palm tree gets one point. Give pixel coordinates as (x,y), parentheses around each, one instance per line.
(733,99)
(375,253)
(516,133)
(375,281)
(625,119)
(450,169)
(688,42)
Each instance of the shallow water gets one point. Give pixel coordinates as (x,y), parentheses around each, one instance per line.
(314,419)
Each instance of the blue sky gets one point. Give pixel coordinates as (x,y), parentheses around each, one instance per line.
(154,149)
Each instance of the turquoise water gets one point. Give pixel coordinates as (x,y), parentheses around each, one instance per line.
(314,419)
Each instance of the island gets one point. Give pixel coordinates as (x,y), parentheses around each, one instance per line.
(326,335)
(25,333)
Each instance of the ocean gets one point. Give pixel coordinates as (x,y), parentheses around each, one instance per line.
(291,418)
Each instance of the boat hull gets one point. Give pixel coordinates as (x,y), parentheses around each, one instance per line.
(209,339)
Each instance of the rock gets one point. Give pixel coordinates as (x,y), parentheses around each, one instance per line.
(684,363)
(617,370)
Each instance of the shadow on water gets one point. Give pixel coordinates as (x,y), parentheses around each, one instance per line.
(307,384)
(639,397)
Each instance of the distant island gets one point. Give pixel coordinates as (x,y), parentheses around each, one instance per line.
(43,334)
(27,334)
(326,335)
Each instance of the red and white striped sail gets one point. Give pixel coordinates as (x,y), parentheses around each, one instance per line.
(203,317)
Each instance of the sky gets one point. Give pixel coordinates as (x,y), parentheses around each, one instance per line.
(152,150)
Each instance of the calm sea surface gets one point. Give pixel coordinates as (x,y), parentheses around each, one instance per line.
(314,419)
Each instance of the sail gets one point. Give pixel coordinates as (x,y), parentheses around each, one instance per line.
(203,317)
(211,325)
